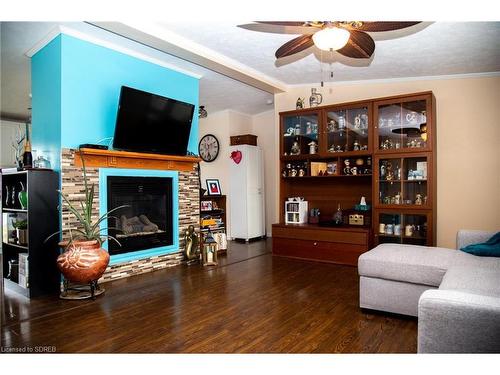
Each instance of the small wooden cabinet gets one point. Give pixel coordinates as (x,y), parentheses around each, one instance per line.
(212,215)
(381,149)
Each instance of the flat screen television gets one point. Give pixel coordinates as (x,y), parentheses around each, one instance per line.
(147,122)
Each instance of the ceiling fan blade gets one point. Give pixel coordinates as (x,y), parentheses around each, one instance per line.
(284,23)
(383,26)
(295,45)
(278,29)
(359,46)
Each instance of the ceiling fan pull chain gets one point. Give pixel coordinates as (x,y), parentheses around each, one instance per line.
(321,66)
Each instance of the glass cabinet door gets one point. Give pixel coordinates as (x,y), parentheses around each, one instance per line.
(405,228)
(402,126)
(347,130)
(300,134)
(403,181)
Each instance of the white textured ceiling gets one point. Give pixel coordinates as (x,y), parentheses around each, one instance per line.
(217,92)
(428,49)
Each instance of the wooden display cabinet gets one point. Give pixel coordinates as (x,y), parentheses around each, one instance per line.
(404,123)
(347,130)
(416,227)
(396,132)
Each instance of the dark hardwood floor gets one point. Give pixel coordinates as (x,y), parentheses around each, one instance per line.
(252,303)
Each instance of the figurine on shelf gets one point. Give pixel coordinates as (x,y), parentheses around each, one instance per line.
(382,171)
(397,198)
(313,147)
(192,248)
(332,148)
(308,128)
(332,126)
(295,150)
(389,173)
(347,167)
(337,217)
(300,103)
(302,172)
(356,146)
(341,122)
(418,199)
(357,122)
(297,129)
(354,171)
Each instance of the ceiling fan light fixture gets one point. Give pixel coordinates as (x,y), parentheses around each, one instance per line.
(331,38)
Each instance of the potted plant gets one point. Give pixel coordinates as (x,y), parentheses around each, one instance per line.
(83,260)
(21,227)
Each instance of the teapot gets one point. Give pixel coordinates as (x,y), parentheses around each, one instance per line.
(316,98)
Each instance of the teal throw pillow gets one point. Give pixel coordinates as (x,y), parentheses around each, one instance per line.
(490,248)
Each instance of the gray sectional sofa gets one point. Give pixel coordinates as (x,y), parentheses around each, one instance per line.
(455,295)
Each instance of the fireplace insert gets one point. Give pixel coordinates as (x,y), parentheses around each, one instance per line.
(147,221)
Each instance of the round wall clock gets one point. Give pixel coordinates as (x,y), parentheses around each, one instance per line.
(208,148)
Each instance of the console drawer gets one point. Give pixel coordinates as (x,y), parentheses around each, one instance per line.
(347,237)
(334,252)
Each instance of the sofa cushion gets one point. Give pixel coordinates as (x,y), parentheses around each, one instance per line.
(417,264)
(489,248)
(474,280)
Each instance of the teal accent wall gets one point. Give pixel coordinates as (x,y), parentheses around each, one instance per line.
(91,80)
(46,102)
(76,87)
(103,208)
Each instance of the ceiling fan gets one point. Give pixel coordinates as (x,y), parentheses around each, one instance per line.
(348,38)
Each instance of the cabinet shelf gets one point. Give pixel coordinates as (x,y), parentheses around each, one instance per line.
(328,176)
(401,236)
(402,180)
(14,210)
(23,247)
(12,285)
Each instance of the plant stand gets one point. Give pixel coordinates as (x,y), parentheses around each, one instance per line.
(81,291)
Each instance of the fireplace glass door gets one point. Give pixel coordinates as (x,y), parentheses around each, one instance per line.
(146,222)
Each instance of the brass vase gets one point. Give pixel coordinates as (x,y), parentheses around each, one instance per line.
(82,262)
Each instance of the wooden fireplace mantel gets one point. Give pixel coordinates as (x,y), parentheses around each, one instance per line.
(135,160)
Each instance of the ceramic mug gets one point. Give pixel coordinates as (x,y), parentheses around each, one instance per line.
(389,229)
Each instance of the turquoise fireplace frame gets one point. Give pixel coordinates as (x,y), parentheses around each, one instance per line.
(103,208)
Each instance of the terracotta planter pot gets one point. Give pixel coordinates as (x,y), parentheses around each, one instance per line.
(82,261)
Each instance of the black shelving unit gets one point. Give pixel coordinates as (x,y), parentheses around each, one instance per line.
(42,217)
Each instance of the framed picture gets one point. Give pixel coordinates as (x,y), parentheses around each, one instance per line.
(213,187)
(206,205)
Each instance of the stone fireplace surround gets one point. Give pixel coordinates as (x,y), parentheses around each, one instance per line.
(188,199)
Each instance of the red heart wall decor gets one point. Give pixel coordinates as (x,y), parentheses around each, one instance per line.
(236,156)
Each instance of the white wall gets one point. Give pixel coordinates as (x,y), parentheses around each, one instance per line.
(263,128)
(8,131)
(223,125)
